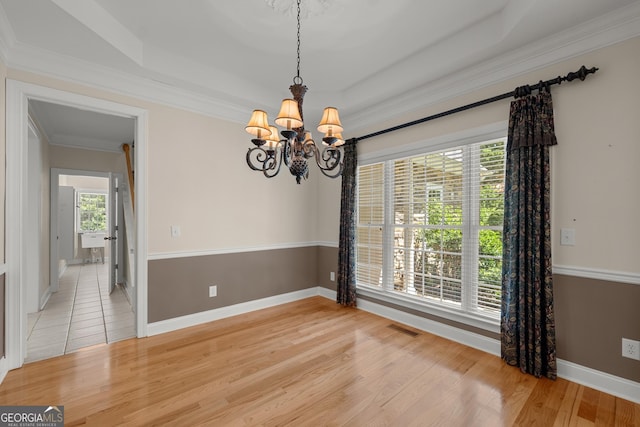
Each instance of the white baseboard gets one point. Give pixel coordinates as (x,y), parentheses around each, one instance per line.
(471,339)
(4,369)
(174,324)
(620,387)
(61,269)
(45,297)
(602,381)
(327,293)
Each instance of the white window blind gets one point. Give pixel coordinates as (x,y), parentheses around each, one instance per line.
(370,224)
(430,227)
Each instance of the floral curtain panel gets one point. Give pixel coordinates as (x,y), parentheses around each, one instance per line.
(527,319)
(347,245)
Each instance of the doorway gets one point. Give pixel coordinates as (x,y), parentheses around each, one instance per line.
(18,227)
(92,301)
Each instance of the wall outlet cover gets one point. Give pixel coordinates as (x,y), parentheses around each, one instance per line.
(630,349)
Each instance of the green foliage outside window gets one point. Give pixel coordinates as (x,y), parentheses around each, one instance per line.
(439,249)
(491,213)
(93,211)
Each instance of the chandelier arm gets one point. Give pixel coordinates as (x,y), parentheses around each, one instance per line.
(258,154)
(272,165)
(286,151)
(267,160)
(330,161)
(330,172)
(309,148)
(332,175)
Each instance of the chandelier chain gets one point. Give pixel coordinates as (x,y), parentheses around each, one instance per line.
(270,151)
(298,78)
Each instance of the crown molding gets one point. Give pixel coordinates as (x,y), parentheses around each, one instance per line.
(104,25)
(43,62)
(614,27)
(619,25)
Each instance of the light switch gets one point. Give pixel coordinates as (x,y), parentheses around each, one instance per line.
(567,236)
(175,231)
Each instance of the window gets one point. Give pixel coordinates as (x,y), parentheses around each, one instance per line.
(430,228)
(92,211)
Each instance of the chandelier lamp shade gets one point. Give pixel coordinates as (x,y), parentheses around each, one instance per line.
(294,145)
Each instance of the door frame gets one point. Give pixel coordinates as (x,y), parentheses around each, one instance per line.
(54,271)
(18,95)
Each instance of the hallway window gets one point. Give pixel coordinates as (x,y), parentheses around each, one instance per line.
(92,208)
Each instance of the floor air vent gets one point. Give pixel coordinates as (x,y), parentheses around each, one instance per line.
(403,330)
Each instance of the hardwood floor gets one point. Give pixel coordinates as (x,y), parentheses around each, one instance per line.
(307,363)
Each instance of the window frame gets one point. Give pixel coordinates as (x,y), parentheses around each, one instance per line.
(79,193)
(386,292)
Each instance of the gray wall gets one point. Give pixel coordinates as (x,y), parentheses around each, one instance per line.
(180,286)
(592,316)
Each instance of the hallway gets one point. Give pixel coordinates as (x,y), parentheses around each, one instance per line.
(80,314)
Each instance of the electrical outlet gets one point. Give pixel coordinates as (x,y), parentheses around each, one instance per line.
(567,236)
(332,276)
(630,349)
(213,291)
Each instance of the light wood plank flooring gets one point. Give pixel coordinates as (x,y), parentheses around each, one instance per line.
(307,363)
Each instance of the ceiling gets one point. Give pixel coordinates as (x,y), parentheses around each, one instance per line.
(228,57)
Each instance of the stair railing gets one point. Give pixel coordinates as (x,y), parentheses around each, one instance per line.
(127,152)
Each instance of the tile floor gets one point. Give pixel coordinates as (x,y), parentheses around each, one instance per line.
(80,314)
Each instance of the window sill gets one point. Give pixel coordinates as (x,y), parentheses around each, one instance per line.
(481,322)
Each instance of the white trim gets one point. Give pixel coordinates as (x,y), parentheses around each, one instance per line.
(105,26)
(327,293)
(236,250)
(614,385)
(194,319)
(471,339)
(45,298)
(598,274)
(455,139)
(211,103)
(4,368)
(488,324)
(17,96)
(328,244)
(616,26)
(598,380)
(15,204)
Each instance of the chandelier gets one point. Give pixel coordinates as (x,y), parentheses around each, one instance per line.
(296,145)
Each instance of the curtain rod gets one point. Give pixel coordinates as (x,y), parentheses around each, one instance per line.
(519,91)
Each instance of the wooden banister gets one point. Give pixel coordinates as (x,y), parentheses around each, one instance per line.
(127,152)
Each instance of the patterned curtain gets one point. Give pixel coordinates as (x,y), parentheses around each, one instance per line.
(527,319)
(347,245)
